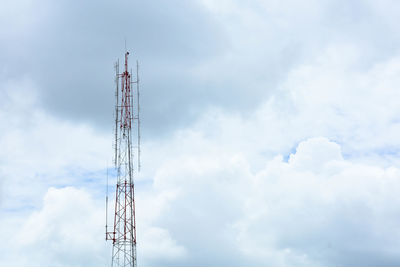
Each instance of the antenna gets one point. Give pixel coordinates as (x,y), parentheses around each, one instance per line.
(107,203)
(138,111)
(116,110)
(137,117)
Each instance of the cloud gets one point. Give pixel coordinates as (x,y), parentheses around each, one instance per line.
(314,153)
(317,209)
(271,131)
(65,231)
(328,216)
(241,189)
(70,48)
(45,158)
(157,245)
(39,150)
(68,229)
(194,55)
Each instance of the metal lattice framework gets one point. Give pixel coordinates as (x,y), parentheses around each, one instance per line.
(127,163)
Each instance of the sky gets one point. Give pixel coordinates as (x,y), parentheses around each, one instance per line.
(270,131)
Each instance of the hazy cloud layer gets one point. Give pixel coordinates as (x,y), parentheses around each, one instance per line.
(69,49)
(317,209)
(193,55)
(270,131)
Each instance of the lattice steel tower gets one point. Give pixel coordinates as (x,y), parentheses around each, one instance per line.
(127,164)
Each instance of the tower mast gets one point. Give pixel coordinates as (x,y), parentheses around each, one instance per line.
(123,236)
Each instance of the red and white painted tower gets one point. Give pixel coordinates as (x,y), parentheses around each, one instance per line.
(127,164)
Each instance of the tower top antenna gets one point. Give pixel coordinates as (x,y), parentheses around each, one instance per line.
(127,164)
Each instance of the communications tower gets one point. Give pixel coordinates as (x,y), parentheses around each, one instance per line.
(127,165)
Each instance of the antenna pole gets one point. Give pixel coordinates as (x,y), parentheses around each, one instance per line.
(138,112)
(107,204)
(116,111)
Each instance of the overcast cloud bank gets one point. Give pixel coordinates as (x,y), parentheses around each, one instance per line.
(270,132)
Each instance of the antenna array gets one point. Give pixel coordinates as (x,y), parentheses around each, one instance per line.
(127,165)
